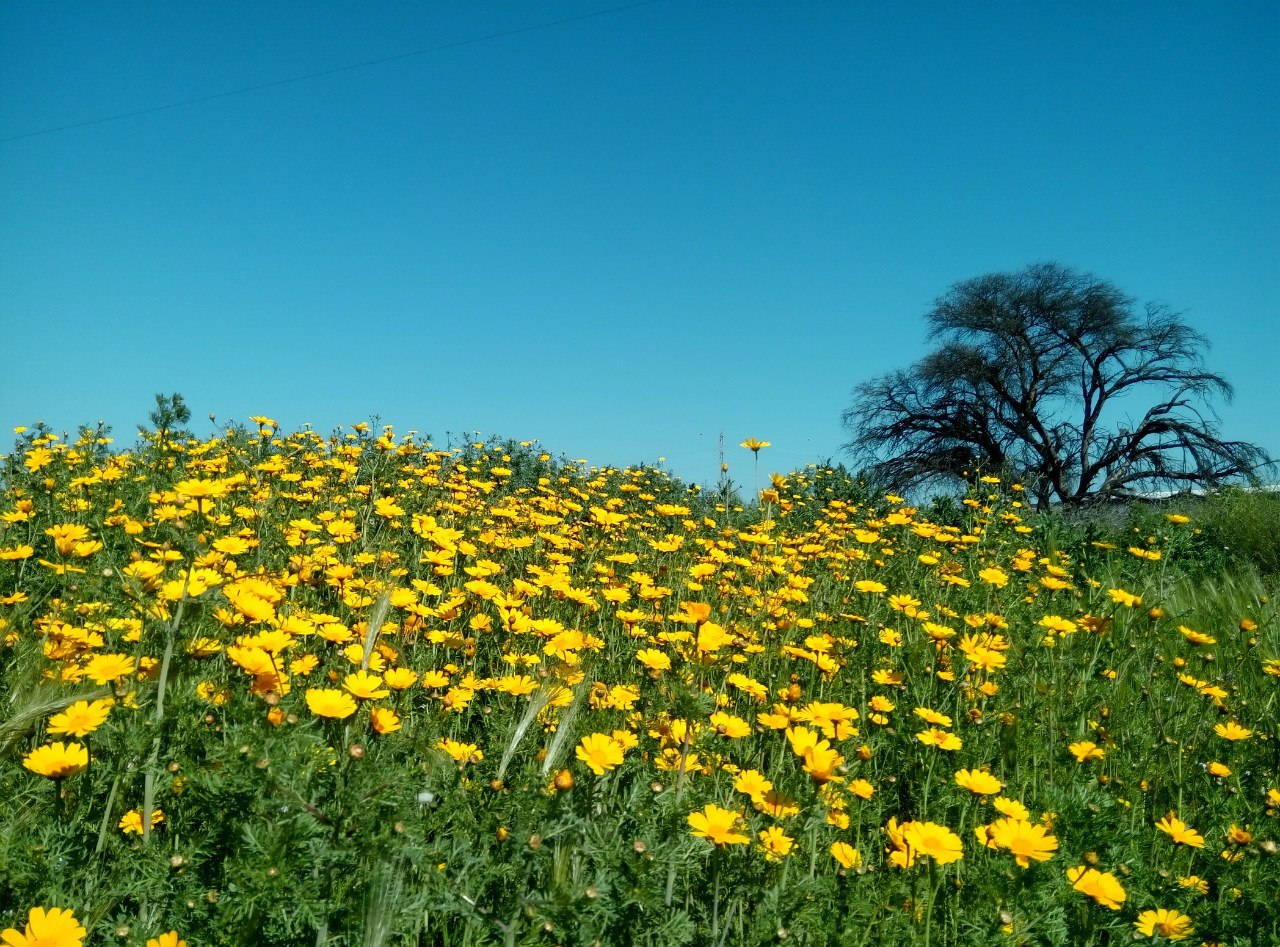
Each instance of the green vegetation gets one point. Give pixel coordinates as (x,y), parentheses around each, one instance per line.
(280,689)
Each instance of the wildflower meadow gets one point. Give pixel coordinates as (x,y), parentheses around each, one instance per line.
(270,688)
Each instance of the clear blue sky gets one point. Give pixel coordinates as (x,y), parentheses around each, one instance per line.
(623,234)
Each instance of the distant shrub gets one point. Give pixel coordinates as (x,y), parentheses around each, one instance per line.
(1244,526)
(1227,531)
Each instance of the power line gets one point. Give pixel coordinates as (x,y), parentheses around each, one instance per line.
(331,72)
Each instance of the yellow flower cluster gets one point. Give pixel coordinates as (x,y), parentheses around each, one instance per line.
(813,674)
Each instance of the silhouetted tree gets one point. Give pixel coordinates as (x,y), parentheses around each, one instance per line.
(1044,375)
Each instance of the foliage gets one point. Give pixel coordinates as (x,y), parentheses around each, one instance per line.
(1244,526)
(1233,531)
(170,413)
(362,690)
(1030,375)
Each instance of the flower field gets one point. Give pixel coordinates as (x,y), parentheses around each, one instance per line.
(270,688)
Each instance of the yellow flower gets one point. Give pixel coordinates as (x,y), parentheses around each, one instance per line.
(978,782)
(846,854)
(940,738)
(59,568)
(776,843)
(936,841)
(1058,624)
(231,545)
(1102,886)
(326,702)
(1239,836)
(1121,597)
(57,760)
(1196,637)
(384,720)
(37,458)
(55,927)
(821,761)
(399,678)
(109,668)
(197,489)
(994,576)
(1232,731)
(131,822)
(755,446)
(250,604)
(434,679)
(171,939)
(932,717)
(717,825)
(207,690)
(753,783)
(1086,750)
(653,659)
(81,718)
(1011,807)
(66,535)
(1180,832)
(364,685)
(342,531)
(1194,883)
(600,752)
(625,739)
(900,853)
(461,753)
(693,613)
(603,517)
(1025,840)
(713,637)
(727,725)
(861,788)
(881,704)
(1173,925)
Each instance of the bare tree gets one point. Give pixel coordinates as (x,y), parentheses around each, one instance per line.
(1046,375)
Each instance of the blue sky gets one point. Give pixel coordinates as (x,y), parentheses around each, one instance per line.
(623,234)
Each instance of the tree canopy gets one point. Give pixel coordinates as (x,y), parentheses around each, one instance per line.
(1055,378)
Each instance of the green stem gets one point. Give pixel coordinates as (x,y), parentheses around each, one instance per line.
(671,866)
(149,779)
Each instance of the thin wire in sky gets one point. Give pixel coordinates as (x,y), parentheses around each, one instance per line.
(331,72)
